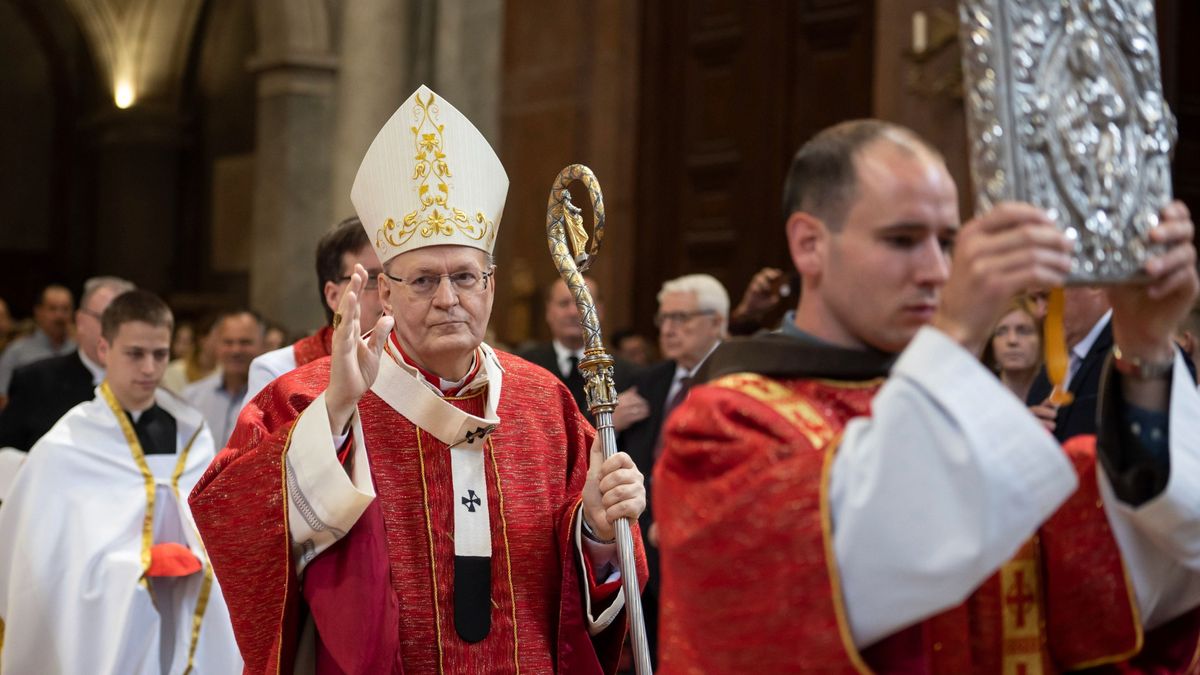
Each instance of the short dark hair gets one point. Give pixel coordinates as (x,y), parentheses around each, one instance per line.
(347,236)
(823,178)
(135,305)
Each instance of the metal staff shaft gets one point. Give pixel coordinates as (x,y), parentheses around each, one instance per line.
(562,222)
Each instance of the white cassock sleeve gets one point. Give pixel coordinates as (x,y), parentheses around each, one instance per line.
(324,499)
(949,476)
(266,367)
(1160,540)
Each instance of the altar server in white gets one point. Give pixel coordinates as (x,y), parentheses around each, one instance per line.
(103,570)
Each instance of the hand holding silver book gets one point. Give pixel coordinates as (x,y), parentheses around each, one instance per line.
(1065,110)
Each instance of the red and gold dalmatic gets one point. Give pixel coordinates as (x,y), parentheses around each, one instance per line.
(745,487)
(381,597)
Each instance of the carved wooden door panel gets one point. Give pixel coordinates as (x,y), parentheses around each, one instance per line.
(729,91)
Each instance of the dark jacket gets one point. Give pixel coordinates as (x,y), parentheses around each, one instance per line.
(544,356)
(41,393)
(1080,416)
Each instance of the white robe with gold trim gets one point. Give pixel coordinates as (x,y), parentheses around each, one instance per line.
(72,595)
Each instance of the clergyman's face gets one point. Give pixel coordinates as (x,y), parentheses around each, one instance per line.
(884,270)
(369,303)
(135,361)
(449,323)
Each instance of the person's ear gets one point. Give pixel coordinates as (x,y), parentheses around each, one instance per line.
(385,294)
(102,348)
(333,295)
(808,243)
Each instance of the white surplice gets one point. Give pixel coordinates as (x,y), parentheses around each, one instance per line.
(72,594)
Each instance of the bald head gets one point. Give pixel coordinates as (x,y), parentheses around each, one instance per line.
(823,178)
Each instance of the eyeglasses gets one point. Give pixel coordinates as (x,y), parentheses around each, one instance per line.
(372,283)
(661,320)
(462,282)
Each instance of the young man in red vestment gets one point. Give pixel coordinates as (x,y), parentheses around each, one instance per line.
(343,247)
(419,502)
(857,492)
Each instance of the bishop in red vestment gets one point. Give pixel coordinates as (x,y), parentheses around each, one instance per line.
(418,502)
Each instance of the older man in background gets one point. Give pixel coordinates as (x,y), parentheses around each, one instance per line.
(43,391)
(51,335)
(219,397)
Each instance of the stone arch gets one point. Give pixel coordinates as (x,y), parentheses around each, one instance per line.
(140,44)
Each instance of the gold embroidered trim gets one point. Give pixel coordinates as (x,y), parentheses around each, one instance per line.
(512,593)
(181,464)
(1,643)
(435,217)
(287,549)
(852,384)
(835,579)
(437,613)
(139,458)
(783,401)
(206,583)
(1022,619)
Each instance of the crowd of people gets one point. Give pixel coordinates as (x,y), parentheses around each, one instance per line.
(877,480)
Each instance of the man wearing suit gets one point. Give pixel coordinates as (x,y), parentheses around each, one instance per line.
(562,354)
(45,390)
(1086,315)
(1087,326)
(693,317)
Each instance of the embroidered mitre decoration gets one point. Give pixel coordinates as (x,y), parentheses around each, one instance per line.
(429,179)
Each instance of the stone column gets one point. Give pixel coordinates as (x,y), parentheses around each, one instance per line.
(372,83)
(291,176)
(137,193)
(468,60)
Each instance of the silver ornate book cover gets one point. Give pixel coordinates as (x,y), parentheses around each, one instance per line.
(1065,110)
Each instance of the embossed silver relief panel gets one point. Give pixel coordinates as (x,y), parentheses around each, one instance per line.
(1065,110)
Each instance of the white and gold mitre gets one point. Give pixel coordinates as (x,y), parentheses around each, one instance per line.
(428,179)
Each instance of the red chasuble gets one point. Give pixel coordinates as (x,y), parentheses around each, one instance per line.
(750,585)
(382,596)
(315,346)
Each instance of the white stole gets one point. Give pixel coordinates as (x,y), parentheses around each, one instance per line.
(404,389)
